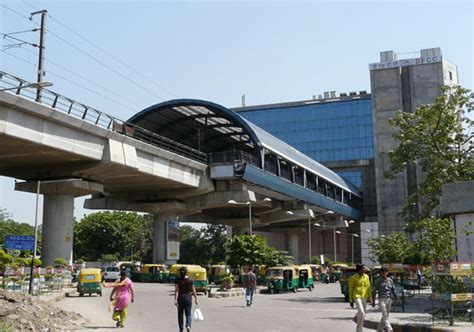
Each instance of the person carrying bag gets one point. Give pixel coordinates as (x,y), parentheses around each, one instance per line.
(183,292)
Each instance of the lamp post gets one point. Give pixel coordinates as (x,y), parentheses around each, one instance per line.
(347,223)
(353,235)
(249,203)
(310,215)
(39,85)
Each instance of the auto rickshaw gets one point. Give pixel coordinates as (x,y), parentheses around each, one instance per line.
(262,275)
(336,271)
(89,282)
(199,276)
(346,274)
(217,273)
(153,273)
(316,270)
(284,278)
(174,271)
(305,277)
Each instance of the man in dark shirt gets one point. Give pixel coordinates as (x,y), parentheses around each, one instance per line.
(183,292)
(385,287)
(249,283)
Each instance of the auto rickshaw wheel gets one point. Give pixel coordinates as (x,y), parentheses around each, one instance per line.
(295,289)
(100,293)
(310,288)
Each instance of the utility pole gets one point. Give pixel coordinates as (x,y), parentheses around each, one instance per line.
(44,14)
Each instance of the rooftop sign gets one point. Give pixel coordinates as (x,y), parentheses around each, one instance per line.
(406,62)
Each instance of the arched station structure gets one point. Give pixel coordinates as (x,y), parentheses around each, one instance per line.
(236,148)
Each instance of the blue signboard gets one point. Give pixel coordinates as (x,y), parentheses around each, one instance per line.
(19,242)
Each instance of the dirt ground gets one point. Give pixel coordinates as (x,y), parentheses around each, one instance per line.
(20,312)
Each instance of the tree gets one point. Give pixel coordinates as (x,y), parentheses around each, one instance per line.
(250,250)
(439,139)
(116,233)
(9,227)
(393,248)
(435,240)
(202,246)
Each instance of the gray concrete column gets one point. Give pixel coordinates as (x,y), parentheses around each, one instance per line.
(160,238)
(292,245)
(57,229)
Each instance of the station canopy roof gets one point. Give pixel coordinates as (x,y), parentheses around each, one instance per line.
(210,127)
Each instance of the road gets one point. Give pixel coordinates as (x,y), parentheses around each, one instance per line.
(153,310)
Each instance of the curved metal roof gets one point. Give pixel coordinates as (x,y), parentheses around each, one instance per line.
(211,127)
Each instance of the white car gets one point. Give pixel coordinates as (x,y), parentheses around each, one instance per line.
(111,273)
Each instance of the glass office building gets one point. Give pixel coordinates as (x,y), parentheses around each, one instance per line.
(331,131)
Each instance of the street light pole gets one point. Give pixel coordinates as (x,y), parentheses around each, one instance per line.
(335,251)
(30,290)
(250,218)
(249,203)
(309,239)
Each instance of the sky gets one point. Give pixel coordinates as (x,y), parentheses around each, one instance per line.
(123,56)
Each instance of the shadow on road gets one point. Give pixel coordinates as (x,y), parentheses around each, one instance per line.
(99,327)
(311,300)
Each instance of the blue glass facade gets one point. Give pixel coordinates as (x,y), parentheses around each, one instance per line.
(354,177)
(326,131)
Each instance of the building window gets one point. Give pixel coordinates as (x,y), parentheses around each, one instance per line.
(450,75)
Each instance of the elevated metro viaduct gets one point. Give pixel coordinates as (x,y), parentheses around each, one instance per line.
(183,158)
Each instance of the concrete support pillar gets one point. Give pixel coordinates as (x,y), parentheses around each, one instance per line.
(58,213)
(292,245)
(57,228)
(160,240)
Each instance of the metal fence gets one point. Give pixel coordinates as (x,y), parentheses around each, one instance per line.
(91,115)
(232,156)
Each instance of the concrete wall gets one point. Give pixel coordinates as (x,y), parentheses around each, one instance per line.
(457,201)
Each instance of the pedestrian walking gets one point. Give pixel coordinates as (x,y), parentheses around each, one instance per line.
(183,292)
(385,288)
(121,296)
(250,284)
(360,293)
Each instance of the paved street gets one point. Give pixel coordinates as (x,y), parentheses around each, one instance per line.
(154,311)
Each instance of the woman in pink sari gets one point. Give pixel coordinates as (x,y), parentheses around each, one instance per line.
(121,296)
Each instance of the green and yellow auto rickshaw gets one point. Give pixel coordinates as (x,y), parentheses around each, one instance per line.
(346,274)
(89,282)
(174,271)
(199,276)
(316,270)
(262,275)
(336,271)
(154,273)
(305,277)
(217,273)
(283,278)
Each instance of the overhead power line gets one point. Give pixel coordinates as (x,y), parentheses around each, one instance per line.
(105,52)
(70,81)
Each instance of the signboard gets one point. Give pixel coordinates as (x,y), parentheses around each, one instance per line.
(394,267)
(452,269)
(19,242)
(406,62)
(172,246)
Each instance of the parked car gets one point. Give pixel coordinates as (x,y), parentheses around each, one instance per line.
(111,273)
